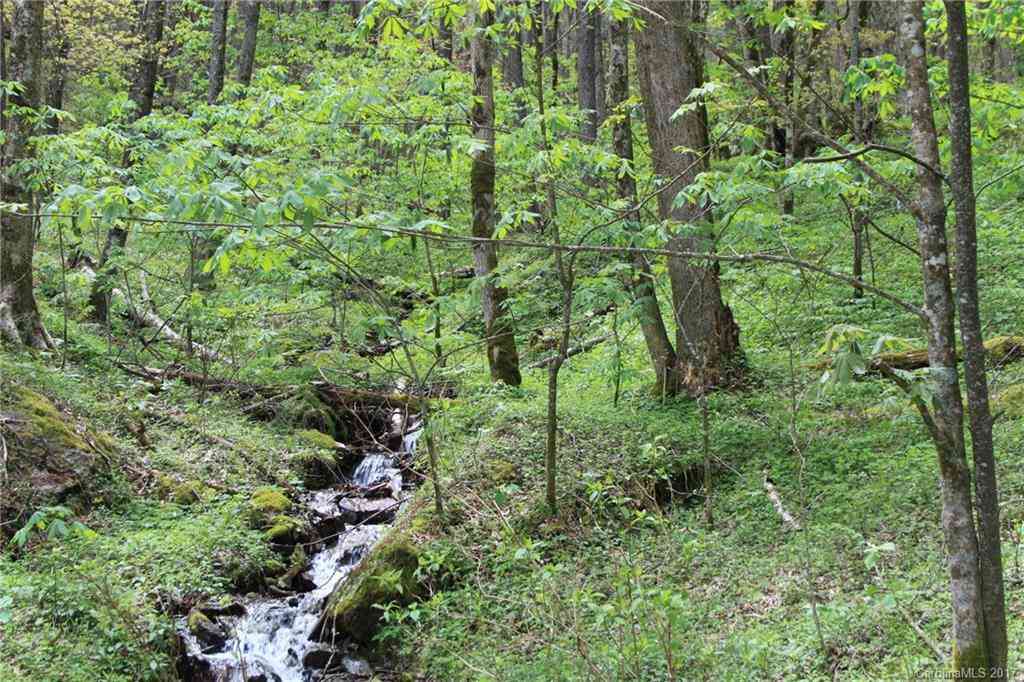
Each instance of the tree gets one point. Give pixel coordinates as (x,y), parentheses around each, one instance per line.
(250,11)
(218,45)
(945,418)
(142,90)
(502,357)
(20,322)
(961,180)
(671,65)
(586,72)
(512,66)
(641,285)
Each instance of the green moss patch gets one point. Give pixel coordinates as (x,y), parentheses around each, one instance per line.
(388,575)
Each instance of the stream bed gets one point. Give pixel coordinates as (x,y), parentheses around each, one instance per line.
(267,638)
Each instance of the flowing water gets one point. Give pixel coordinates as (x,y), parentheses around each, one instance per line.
(271,640)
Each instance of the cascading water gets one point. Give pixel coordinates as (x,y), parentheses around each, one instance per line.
(270,639)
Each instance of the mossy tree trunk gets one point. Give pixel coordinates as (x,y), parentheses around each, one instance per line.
(502,357)
(20,322)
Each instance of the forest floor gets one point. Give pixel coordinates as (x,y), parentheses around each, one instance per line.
(627,581)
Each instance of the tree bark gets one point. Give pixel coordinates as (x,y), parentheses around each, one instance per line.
(586,72)
(601,84)
(641,284)
(141,93)
(671,64)
(512,73)
(57,82)
(986,491)
(502,357)
(20,322)
(218,45)
(946,419)
(250,11)
(551,41)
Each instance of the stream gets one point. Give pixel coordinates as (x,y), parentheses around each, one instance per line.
(268,638)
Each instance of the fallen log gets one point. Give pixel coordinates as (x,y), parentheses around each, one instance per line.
(575,350)
(151,320)
(999,350)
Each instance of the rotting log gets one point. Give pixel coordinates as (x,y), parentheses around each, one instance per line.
(999,350)
(150,320)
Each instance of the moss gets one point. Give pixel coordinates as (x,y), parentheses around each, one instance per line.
(387,575)
(269,500)
(1010,401)
(318,468)
(503,471)
(283,528)
(197,620)
(317,439)
(182,492)
(972,662)
(45,421)
(1002,346)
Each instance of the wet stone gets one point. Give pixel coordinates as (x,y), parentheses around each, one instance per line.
(357,510)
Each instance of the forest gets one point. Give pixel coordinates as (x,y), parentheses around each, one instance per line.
(438,340)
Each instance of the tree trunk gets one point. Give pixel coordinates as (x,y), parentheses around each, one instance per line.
(20,322)
(551,41)
(671,64)
(512,73)
(857,217)
(962,182)
(141,93)
(946,419)
(601,84)
(250,11)
(57,82)
(218,44)
(586,72)
(641,286)
(502,357)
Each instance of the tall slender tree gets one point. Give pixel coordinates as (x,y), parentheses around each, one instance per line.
(671,65)
(151,15)
(945,418)
(641,285)
(961,180)
(20,322)
(586,71)
(502,357)
(250,13)
(218,47)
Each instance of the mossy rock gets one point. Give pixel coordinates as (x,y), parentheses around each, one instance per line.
(1010,401)
(285,529)
(317,439)
(387,575)
(50,459)
(267,501)
(318,468)
(182,492)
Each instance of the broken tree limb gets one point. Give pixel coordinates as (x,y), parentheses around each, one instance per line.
(149,319)
(999,350)
(575,350)
(788,521)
